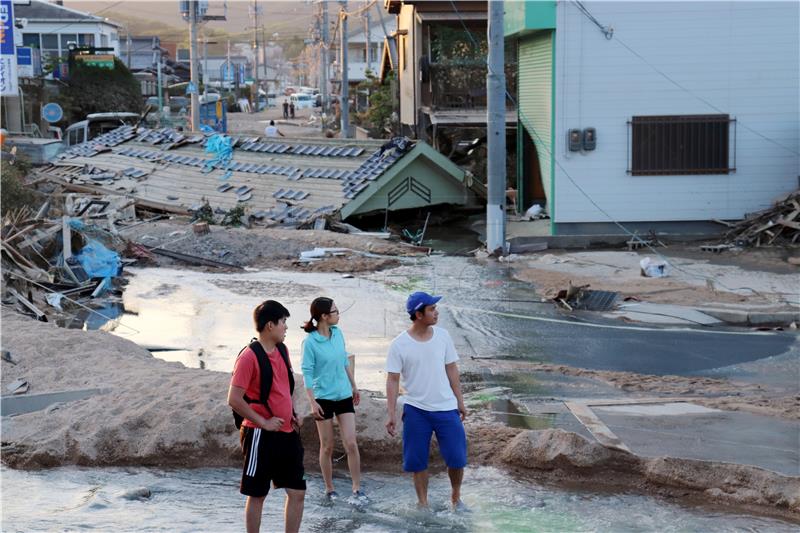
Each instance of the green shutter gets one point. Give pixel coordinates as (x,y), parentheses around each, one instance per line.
(536,101)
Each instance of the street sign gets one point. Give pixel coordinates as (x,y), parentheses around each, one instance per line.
(52,112)
(191,88)
(8,57)
(97,60)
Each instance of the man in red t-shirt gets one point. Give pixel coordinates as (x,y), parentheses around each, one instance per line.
(270,442)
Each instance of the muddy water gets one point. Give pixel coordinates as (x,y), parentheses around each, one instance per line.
(115,499)
(204,318)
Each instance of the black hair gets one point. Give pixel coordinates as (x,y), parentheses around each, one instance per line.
(271,122)
(320,306)
(413,316)
(268,311)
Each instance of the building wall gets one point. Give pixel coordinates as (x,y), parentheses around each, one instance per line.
(740,56)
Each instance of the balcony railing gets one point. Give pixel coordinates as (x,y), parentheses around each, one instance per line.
(462,86)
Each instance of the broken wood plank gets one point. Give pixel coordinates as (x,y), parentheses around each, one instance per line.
(193,259)
(28,304)
(66,235)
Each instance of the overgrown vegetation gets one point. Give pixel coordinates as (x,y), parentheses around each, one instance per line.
(14,194)
(378,118)
(100,90)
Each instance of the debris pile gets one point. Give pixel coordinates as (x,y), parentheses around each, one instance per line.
(779,224)
(53,267)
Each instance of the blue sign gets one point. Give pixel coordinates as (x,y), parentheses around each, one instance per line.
(191,88)
(6,27)
(24,56)
(52,112)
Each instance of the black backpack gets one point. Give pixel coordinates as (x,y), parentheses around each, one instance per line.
(265,369)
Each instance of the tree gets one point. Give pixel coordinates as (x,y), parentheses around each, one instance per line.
(93,89)
(378,117)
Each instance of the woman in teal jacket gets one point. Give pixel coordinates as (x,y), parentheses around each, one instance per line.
(331,390)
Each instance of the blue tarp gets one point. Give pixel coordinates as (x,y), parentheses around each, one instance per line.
(95,259)
(221,148)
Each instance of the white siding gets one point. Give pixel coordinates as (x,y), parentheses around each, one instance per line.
(742,57)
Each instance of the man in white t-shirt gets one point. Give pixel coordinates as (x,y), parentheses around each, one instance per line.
(272,130)
(425,358)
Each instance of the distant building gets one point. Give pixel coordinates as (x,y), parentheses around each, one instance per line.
(53,28)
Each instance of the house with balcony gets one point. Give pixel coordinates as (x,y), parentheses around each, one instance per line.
(441,70)
(662,118)
(52,28)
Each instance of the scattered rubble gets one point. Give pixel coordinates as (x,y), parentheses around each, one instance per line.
(779,224)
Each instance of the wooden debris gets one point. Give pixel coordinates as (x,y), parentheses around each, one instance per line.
(201,228)
(777,225)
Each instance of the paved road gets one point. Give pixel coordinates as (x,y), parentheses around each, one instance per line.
(497,317)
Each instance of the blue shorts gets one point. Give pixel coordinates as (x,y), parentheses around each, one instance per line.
(419,425)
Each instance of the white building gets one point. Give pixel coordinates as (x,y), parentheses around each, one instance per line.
(357,61)
(685,112)
(51,28)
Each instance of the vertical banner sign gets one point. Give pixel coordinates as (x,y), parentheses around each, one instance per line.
(8,57)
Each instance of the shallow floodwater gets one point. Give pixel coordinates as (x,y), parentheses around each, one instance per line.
(111,499)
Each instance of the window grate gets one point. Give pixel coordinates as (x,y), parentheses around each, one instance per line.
(681,145)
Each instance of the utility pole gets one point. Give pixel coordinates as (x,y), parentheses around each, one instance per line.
(496,132)
(345,96)
(368,38)
(228,68)
(157,59)
(193,64)
(325,58)
(128,41)
(255,47)
(205,66)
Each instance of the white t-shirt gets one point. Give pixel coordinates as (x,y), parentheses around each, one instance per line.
(271,131)
(421,369)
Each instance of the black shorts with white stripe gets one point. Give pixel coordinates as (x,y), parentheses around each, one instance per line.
(271,457)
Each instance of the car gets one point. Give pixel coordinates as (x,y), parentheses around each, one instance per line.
(210,97)
(177,104)
(302,100)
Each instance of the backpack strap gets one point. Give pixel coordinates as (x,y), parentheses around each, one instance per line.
(265,369)
(285,354)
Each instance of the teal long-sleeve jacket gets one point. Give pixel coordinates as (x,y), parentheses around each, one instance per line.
(325,365)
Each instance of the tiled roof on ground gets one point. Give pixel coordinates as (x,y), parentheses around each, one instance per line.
(282,179)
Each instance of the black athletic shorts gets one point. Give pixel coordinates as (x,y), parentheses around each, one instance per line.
(271,456)
(336,407)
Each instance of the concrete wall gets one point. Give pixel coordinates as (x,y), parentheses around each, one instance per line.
(742,57)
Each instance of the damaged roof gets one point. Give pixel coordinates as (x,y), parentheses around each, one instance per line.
(281,179)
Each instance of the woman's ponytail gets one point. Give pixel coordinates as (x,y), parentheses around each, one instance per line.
(320,306)
(309,326)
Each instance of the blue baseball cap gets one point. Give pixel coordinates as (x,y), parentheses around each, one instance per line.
(419,300)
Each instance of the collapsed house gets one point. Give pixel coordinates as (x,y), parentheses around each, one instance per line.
(277,180)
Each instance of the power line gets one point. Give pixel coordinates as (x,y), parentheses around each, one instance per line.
(622,43)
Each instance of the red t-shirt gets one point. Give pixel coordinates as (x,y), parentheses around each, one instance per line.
(247,375)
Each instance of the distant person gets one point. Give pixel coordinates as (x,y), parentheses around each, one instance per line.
(425,357)
(331,388)
(291,109)
(286,109)
(269,433)
(272,130)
